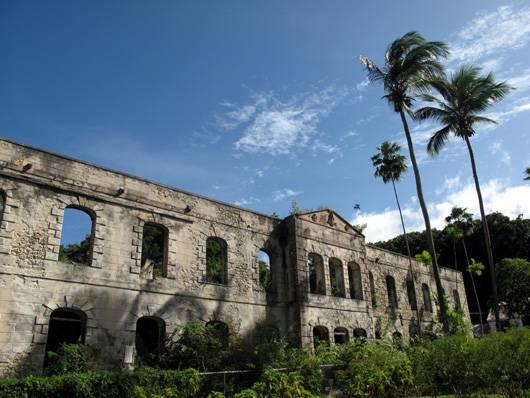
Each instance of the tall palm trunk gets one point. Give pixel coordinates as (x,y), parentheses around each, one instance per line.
(430,241)
(487,239)
(409,255)
(474,289)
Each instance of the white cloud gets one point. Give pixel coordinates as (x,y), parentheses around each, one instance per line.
(502,116)
(279,195)
(277,127)
(490,33)
(498,196)
(450,184)
(246,201)
(361,86)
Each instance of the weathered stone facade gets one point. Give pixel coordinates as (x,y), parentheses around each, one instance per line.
(38,186)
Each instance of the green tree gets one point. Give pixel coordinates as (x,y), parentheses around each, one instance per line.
(75,253)
(513,275)
(390,165)
(410,63)
(461,99)
(527,174)
(475,268)
(265,275)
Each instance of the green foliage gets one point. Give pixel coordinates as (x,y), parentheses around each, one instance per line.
(389,164)
(144,382)
(215,260)
(198,346)
(153,247)
(265,275)
(513,279)
(424,257)
(476,267)
(71,358)
(458,322)
(375,370)
(75,253)
(496,363)
(274,384)
(527,174)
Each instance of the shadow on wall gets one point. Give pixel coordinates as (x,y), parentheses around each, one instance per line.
(114,324)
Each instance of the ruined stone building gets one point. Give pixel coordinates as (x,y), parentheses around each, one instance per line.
(326,283)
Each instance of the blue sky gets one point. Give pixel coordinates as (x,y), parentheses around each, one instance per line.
(259,103)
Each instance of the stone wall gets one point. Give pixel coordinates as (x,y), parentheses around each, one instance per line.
(111,291)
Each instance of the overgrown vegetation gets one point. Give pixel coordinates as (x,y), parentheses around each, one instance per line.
(459,364)
(75,253)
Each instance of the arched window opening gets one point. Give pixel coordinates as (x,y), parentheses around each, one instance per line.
(320,336)
(391,291)
(341,336)
(372,289)
(427,305)
(359,333)
(220,331)
(456,298)
(354,276)
(265,271)
(397,337)
(317,280)
(67,326)
(411,293)
(150,336)
(154,251)
(77,236)
(336,277)
(2,204)
(216,260)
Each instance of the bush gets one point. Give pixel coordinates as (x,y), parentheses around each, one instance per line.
(142,383)
(274,384)
(71,358)
(374,370)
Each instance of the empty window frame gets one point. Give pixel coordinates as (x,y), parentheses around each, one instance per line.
(2,204)
(216,260)
(317,280)
(372,289)
(336,277)
(359,333)
(320,336)
(354,277)
(265,270)
(77,236)
(391,292)
(67,326)
(154,251)
(220,332)
(411,293)
(340,335)
(427,304)
(150,337)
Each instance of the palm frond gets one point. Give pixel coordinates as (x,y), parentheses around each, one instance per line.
(438,140)
(430,112)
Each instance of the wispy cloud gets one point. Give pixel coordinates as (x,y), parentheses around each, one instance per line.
(498,195)
(492,33)
(272,125)
(498,152)
(246,201)
(281,194)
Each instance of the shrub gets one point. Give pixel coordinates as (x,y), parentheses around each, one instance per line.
(501,362)
(274,384)
(71,358)
(142,383)
(375,370)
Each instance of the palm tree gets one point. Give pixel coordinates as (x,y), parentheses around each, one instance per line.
(527,173)
(462,224)
(410,63)
(390,165)
(461,99)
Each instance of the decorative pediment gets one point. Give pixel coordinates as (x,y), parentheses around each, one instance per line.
(331,219)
